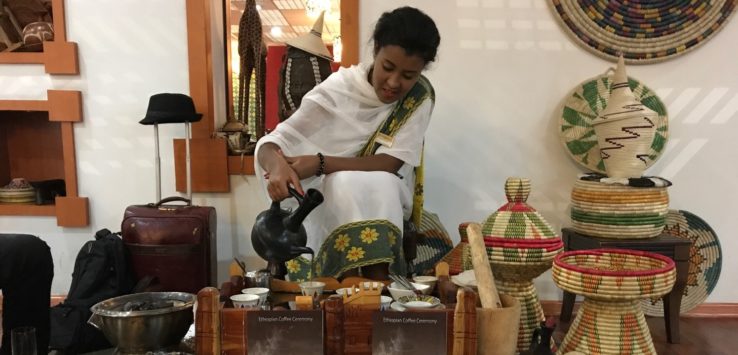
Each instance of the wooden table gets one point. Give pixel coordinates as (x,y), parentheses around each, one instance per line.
(665,244)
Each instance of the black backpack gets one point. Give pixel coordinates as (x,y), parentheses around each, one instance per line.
(101,271)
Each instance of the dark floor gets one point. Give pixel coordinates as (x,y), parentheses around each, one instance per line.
(698,336)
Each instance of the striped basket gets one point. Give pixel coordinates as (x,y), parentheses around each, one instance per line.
(531,312)
(19,191)
(618,211)
(612,281)
(614,273)
(521,245)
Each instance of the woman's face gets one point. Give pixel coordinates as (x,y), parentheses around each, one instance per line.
(395,73)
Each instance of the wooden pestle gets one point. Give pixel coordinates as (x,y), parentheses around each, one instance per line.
(207,322)
(482,271)
(465,322)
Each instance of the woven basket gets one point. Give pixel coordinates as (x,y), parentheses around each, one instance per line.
(608,328)
(643,32)
(585,103)
(614,273)
(607,231)
(705,261)
(459,255)
(19,190)
(531,312)
(624,129)
(519,271)
(617,211)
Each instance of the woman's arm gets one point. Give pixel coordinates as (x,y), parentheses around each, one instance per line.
(308,165)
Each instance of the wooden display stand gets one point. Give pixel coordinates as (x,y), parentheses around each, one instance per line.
(348,319)
(37,143)
(347,329)
(58,56)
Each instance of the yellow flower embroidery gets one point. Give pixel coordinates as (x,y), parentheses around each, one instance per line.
(293,266)
(355,254)
(392,124)
(342,242)
(369,235)
(409,103)
(392,238)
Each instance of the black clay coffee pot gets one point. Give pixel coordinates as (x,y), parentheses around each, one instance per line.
(279,236)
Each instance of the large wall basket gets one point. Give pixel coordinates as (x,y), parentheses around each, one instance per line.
(644,31)
(583,104)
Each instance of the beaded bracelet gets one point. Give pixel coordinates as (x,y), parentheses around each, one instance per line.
(321,167)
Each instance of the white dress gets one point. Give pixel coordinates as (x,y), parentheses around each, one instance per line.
(337,118)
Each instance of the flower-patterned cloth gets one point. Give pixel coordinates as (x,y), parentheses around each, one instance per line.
(350,246)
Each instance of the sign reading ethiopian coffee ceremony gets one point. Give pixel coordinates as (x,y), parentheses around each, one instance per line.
(285,332)
(421,333)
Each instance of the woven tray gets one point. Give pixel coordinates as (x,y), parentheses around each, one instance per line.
(705,261)
(643,31)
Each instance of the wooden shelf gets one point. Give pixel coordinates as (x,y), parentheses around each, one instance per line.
(37,143)
(10,209)
(58,56)
(241,166)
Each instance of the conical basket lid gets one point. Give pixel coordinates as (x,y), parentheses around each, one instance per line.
(516,219)
(312,42)
(622,103)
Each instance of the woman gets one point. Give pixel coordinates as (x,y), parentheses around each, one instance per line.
(357,137)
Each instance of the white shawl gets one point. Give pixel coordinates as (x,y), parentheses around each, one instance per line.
(337,118)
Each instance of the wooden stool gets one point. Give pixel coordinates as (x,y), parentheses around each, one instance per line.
(675,248)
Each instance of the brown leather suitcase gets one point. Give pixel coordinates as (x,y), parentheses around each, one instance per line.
(176,243)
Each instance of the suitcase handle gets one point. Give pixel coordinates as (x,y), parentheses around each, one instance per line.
(187,202)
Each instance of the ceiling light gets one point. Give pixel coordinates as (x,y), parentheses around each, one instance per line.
(276,31)
(315,7)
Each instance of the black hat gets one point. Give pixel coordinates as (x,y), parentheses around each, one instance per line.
(170,108)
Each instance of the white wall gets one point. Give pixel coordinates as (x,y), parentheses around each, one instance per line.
(503,68)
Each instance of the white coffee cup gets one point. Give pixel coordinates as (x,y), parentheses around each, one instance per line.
(245,301)
(262,292)
(312,288)
(385,302)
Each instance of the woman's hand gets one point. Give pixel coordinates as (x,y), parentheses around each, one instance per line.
(279,173)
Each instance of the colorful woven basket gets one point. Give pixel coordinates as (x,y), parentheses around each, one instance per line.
(586,102)
(624,129)
(612,210)
(614,273)
(643,31)
(459,259)
(433,244)
(705,261)
(18,191)
(612,281)
(521,245)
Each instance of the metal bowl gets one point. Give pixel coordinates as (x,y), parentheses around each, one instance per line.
(146,330)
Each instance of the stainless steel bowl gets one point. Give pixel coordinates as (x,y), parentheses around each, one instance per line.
(135,332)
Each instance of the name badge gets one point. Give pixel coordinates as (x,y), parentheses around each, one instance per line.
(384,140)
